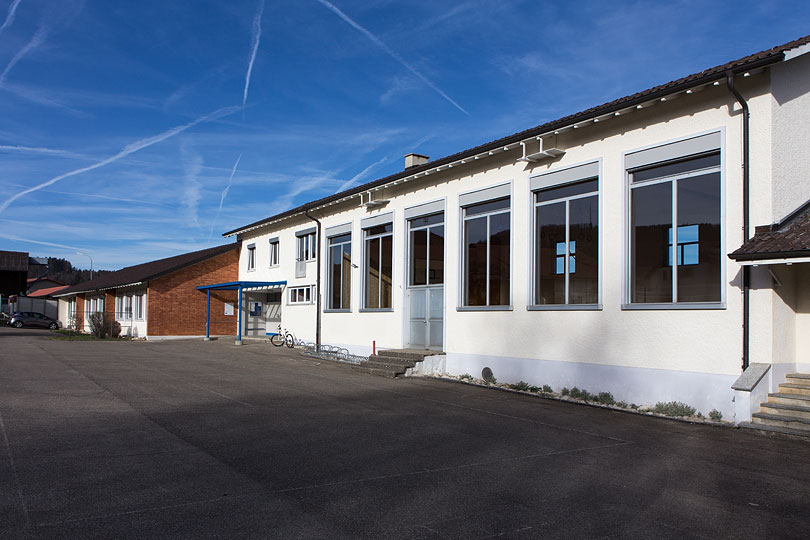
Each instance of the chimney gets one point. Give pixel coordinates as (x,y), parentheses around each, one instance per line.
(412,160)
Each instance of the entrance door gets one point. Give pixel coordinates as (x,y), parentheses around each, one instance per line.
(255,317)
(426,282)
(272,312)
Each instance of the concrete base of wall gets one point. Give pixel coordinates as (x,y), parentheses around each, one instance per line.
(169,338)
(643,386)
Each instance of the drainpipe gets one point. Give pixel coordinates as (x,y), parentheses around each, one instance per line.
(317,282)
(746,270)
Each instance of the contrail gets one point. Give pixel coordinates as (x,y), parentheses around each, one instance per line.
(257,34)
(35,42)
(10,17)
(191,188)
(390,52)
(357,177)
(222,198)
(41,150)
(127,150)
(18,239)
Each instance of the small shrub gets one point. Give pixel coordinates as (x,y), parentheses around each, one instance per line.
(565,392)
(606,398)
(634,406)
(715,415)
(522,386)
(97,325)
(586,396)
(622,404)
(674,408)
(534,389)
(115,329)
(575,392)
(547,389)
(466,377)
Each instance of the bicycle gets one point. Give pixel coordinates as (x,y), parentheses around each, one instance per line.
(283,337)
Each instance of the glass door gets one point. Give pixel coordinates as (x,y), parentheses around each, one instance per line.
(426,282)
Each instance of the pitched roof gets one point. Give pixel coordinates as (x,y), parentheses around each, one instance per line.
(39,293)
(141,273)
(741,65)
(786,239)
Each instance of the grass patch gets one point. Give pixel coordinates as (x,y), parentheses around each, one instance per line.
(72,335)
(674,408)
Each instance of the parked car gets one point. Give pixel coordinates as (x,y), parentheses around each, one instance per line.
(33,319)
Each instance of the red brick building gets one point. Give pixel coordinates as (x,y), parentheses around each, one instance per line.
(160,299)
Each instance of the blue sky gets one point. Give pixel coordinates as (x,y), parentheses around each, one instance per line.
(133,131)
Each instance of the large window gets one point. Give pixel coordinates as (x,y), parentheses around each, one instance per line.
(340,272)
(567,244)
(427,246)
(251,257)
(486,253)
(675,243)
(123,307)
(273,252)
(379,252)
(306,247)
(139,306)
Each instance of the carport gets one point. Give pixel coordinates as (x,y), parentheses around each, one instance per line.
(240,286)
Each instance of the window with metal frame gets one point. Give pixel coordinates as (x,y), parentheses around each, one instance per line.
(139,301)
(378,266)
(274,252)
(675,215)
(251,257)
(300,295)
(340,272)
(567,244)
(306,247)
(486,265)
(426,265)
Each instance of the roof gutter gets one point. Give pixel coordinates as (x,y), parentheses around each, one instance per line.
(746,169)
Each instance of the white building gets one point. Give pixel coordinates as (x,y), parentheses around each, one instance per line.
(590,251)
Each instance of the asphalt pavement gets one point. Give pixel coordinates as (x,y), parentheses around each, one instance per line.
(188,439)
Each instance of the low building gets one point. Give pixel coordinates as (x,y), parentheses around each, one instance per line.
(159,299)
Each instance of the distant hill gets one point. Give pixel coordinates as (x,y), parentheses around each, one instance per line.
(62,270)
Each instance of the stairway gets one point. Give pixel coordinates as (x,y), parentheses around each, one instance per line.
(786,411)
(392,362)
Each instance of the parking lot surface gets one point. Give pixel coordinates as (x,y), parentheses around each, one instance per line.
(190,439)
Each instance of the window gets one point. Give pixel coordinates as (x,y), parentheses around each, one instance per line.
(274,252)
(379,269)
(123,307)
(486,253)
(567,244)
(306,247)
(140,305)
(427,250)
(94,305)
(300,295)
(340,271)
(251,257)
(675,216)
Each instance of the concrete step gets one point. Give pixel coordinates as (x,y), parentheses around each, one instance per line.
(379,364)
(789,399)
(795,388)
(389,373)
(780,420)
(393,360)
(411,354)
(803,376)
(798,411)
(805,434)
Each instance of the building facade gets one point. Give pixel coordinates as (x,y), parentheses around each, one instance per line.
(590,251)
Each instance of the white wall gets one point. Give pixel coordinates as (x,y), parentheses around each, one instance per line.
(704,345)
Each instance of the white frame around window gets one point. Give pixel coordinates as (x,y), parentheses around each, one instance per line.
(273,247)
(627,262)
(366,263)
(139,306)
(251,257)
(591,170)
(305,247)
(473,198)
(329,282)
(292,295)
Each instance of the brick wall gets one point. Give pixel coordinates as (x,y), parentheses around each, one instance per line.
(174,306)
(80,311)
